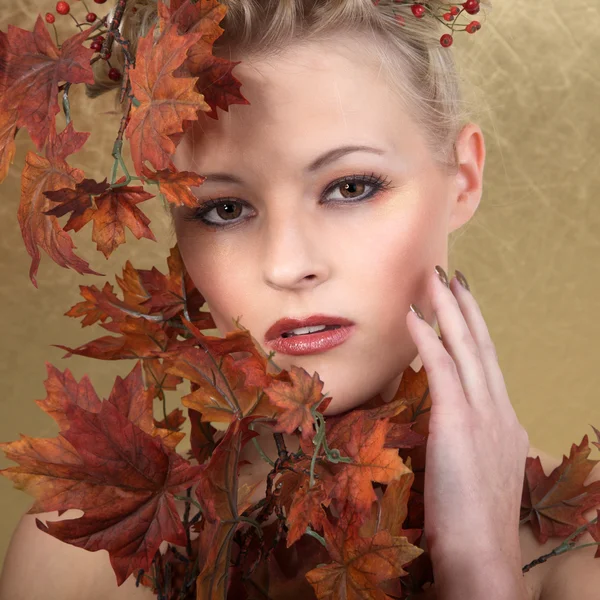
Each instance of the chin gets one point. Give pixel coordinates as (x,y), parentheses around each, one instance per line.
(339,407)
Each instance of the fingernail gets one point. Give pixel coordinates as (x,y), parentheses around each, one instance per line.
(417,312)
(462,280)
(442,275)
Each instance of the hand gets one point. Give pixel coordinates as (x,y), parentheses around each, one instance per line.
(476,449)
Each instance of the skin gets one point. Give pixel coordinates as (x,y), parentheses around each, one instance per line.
(289,253)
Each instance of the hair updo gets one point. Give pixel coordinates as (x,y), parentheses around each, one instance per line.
(422,72)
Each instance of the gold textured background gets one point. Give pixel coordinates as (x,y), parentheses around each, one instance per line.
(531,254)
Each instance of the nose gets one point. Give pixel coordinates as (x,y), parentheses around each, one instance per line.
(294,255)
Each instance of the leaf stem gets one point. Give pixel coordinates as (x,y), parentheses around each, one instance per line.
(189,499)
(314,534)
(566,546)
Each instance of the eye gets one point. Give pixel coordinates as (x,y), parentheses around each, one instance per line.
(352,189)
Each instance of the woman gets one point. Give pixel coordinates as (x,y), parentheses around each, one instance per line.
(332,194)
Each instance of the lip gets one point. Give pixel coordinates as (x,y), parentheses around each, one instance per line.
(308,343)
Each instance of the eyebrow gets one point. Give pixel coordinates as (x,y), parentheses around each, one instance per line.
(326,158)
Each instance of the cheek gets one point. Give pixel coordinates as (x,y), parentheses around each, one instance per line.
(391,257)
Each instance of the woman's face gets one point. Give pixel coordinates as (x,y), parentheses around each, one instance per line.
(291,240)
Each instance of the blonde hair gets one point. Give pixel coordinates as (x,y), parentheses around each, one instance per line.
(419,68)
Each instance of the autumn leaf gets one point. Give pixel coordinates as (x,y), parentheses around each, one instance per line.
(114,209)
(362,439)
(129,395)
(8,131)
(202,439)
(140,338)
(43,174)
(296,399)
(30,71)
(216,82)
(77,200)
(554,504)
(227,388)
(306,509)
(360,564)
(157,379)
(120,476)
(164,100)
(175,185)
(146,294)
(217,491)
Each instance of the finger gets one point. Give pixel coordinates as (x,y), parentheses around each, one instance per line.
(487,350)
(442,377)
(459,342)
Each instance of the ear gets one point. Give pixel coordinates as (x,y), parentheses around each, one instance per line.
(468,180)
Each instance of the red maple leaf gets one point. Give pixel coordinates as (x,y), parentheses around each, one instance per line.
(43,174)
(363,440)
(215,79)
(120,476)
(76,200)
(360,564)
(164,101)
(554,504)
(175,185)
(296,399)
(30,71)
(115,209)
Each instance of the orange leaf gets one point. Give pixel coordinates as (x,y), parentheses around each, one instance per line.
(555,504)
(8,131)
(215,80)
(362,439)
(175,185)
(121,477)
(217,491)
(361,564)
(115,209)
(296,399)
(164,100)
(42,174)
(30,71)
(306,509)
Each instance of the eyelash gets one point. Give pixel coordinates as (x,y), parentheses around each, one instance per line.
(379,183)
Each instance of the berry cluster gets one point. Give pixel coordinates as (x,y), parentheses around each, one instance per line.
(64,8)
(422,9)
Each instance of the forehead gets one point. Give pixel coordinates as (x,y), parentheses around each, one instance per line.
(308,99)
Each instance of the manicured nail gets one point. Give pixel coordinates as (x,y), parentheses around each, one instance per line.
(462,280)
(417,312)
(442,275)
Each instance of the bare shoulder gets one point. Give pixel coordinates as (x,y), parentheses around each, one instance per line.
(569,576)
(40,567)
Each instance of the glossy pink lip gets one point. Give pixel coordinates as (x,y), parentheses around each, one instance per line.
(308,343)
(285,325)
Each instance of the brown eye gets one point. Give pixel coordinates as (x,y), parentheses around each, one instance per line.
(349,188)
(229,210)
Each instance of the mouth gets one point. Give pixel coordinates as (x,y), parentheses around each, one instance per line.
(314,334)
(309,330)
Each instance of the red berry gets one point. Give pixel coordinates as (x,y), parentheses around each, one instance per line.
(114,74)
(473,26)
(448,16)
(418,10)
(107,55)
(100,38)
(471,6)
(99,1)
(50,18)
(62,7)
(454,10)
(446,40)
(96,45)
(90,17)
